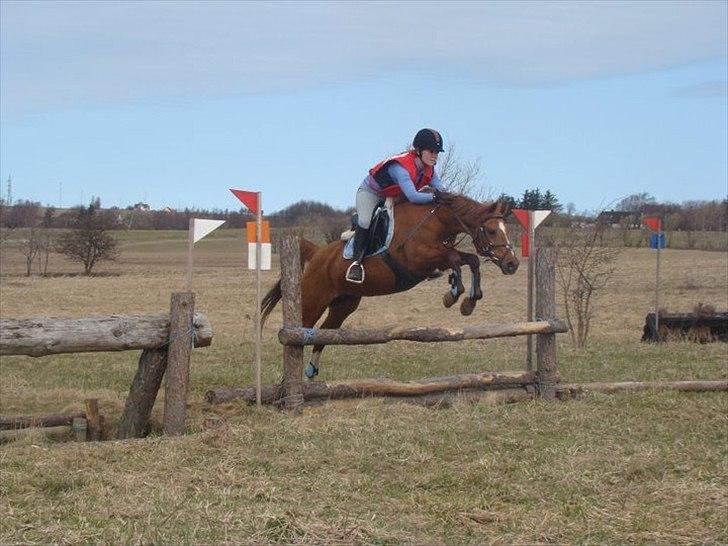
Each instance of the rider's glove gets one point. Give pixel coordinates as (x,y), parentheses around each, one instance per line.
(436,197)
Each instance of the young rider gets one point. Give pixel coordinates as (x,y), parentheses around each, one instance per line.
(405,174)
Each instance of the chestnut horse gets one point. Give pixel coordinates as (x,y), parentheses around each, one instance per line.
(424,241)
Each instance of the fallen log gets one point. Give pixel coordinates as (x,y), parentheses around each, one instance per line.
(315,336)
(42,336)
(58,433)
(273,394)
(570,390)
(12,422)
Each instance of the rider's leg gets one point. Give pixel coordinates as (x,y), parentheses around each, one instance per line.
(366,202)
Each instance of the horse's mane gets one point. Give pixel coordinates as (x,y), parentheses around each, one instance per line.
(471,210)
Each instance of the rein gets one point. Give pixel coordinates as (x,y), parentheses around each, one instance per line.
(417,226)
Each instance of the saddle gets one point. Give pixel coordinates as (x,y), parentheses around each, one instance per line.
(381,231)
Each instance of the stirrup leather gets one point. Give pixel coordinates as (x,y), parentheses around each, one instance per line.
(348,271)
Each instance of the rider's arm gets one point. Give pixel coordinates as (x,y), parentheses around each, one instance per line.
(436,182)
(400,174)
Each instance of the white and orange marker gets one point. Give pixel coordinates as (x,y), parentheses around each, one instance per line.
(265,248)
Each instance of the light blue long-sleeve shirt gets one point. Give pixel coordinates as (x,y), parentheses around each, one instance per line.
(400,175)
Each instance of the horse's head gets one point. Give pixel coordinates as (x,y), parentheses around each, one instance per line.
(491,240)
(485,223)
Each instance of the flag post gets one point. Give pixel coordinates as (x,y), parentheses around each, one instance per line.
(258,260)
(657,281)
(190,244)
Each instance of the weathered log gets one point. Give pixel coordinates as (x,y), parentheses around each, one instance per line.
(178,363)
(489,398)
(569,390)
(548,372)
(42,336)
(313,336)
(93,419)
(361,388)
(292,313)
(56,432)
(12,422)
(142,394)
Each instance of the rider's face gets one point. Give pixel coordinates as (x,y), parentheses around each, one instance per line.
(429,157)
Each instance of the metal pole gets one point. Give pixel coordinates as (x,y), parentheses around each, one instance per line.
(531,269)
(190,244)
(258,297)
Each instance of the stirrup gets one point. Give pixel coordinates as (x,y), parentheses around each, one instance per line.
(349,271)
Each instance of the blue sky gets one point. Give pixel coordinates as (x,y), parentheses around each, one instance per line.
(173,103)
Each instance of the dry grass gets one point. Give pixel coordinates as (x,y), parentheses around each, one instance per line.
(647,468)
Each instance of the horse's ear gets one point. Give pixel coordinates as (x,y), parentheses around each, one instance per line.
(504,208)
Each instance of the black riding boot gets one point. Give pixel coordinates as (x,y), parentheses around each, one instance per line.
(355,273)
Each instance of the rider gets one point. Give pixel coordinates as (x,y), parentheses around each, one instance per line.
(404,174)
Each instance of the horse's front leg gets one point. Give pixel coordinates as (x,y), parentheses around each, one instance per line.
(455,279)
(473,262)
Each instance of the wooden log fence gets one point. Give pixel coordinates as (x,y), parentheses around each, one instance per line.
(293,392)
(165,340)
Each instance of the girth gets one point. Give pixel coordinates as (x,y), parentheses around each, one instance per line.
(404,279)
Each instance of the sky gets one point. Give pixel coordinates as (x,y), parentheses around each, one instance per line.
(173,103)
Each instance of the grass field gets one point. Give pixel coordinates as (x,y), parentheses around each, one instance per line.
(647,468)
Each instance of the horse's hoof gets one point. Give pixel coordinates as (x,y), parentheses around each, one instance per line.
(311,371)
(449,299)
(467,306)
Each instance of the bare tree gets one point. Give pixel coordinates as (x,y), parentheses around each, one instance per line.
(89,241)
(583,268)
(461,176)
(46,245)
(30,249)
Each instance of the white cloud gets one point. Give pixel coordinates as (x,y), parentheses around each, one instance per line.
(61,53)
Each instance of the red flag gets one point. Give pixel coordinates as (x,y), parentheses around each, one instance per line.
(249,199)
(522,217)
(652,222)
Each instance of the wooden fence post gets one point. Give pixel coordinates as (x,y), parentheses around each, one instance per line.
(546,366)
(93,418)
(142,394)
(179,350)
(291,296)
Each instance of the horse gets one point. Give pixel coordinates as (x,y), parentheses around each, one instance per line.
(423,243)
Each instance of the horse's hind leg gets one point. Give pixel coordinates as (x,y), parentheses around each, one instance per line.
(339,309)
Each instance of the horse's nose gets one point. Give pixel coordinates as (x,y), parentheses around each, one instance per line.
(510,267)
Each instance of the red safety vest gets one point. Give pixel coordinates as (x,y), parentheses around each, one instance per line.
(407,160)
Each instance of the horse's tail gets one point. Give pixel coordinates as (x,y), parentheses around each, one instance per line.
(271,299)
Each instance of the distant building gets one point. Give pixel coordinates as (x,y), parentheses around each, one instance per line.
(620,218)
(141,206)
(168,209)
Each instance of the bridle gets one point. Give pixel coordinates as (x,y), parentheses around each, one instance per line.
(483,245)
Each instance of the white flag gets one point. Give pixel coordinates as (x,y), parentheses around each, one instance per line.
(539,216)
(202,228)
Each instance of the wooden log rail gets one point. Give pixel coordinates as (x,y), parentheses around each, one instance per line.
(364,388)
(49,335)
(314,336)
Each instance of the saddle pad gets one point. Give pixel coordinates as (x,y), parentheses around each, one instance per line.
(388,207)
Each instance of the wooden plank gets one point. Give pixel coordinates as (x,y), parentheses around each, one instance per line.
(362,388)
(43,336)
(291,297)
(181,313)
(312,336)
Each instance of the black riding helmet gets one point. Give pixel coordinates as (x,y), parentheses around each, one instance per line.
(428,139)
